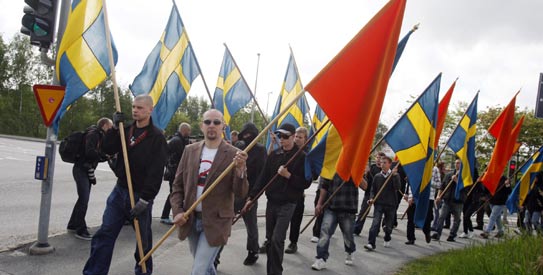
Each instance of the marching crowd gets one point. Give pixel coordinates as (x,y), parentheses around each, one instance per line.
(190,170)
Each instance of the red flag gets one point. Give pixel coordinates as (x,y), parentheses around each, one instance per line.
(496,126)
(442,112)
(502,148)
(514,145)
(352,87)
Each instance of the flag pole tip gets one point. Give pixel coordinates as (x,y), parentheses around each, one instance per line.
(416,27)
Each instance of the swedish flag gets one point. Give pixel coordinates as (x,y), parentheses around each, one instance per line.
(232,92)
(316,123)
(168,72)
(322,158)
(412,139)
(82,60)
(526,183)
(462,142)
(292,87)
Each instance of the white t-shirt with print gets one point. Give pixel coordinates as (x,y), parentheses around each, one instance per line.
(205,165)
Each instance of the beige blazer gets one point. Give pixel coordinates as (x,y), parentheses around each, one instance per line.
(218,206)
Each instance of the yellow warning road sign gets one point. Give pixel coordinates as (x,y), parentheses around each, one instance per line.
(49,98)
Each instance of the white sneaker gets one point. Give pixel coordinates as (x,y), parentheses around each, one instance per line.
(463,235)
(386,244)
(314,239)
(471,234)
(319,264)
(349,259)
(369,247)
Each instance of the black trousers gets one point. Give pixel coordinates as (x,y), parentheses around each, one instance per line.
(318,220)
(277,219)
(411,222)
(296,220)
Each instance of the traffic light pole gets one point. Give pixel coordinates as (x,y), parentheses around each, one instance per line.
(42,246)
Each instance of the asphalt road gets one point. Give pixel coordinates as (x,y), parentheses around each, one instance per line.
(20,200)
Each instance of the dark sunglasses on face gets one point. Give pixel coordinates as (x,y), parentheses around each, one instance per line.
(215,122)
(283,136)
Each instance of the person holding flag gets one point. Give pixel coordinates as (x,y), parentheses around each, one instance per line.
(451,203)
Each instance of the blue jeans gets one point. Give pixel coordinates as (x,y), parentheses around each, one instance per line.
(201,251)
(456,210)
(532,220)
(378,212)
(116,213)
(495,218)
(330,220)
(77,219)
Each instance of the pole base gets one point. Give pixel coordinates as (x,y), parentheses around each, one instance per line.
(40,249)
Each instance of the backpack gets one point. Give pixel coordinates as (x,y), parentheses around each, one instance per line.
(72,147)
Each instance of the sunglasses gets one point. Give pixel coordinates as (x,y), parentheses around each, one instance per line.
(283,136)
(215,122)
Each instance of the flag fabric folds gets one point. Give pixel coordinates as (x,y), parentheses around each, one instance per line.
(82,60)
(168,72)
(232,92)
(442,112)
(292,87)
(401,47)
(462,143)
(322,159)
(502,148)
(316,123)
(412,139)
(526,183)
(352,87)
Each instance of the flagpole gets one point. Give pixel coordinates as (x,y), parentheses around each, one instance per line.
(243,78)
(412,104)
(458,124)
(195,59)
(378,194)
(300,150)
(221,176)
(122,134)
(256,81)
(323,206)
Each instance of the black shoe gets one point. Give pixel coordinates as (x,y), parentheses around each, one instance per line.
(435,237)
(450,239)
(410,242)
(478,227)
(251,258)
(263,248)
(83,235)
(447,226)
(292,248)
(428,238)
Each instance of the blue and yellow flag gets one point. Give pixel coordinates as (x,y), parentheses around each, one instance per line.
(401,46)
(168,72)
(412,139)
(316,123)
(232,92)
(82,59)
(462,143)
(322,159)
(292,87)
(526,183)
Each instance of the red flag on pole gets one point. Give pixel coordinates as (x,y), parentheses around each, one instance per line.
(442,112)
(503,147)
(352,87)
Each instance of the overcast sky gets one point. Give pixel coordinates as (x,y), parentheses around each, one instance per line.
(495,46)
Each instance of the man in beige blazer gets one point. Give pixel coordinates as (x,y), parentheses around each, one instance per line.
(209,226)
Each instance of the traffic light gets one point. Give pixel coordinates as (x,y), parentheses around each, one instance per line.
(39,21)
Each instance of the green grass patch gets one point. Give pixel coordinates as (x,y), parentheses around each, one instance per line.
(514,255)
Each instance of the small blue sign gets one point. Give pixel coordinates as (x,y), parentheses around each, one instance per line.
(42,164)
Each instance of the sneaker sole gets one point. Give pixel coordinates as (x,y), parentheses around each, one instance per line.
(83,238)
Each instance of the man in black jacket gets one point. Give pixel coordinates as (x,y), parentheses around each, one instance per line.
(147,156)
(282,194)
(176,146)
(451,203)
(83,172)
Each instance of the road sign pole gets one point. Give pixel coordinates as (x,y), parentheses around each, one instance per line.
(42,246)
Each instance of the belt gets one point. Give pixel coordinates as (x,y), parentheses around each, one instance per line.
(198,215)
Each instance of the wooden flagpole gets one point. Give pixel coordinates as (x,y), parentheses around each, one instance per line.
(122,134)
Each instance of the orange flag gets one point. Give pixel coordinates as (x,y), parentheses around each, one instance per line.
(502,148)
(352,87)
(442,112)
(514,145)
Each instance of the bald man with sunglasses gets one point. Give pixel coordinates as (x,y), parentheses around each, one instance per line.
(208,227)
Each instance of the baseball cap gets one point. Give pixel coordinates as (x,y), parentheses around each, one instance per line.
(287,129)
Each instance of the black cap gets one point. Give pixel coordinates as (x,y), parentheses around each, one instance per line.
(287,129)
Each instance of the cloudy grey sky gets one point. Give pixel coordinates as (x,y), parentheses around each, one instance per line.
(495,46)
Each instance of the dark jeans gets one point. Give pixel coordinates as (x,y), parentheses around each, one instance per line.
(359,223)
(250,220)
(77,219)
(167,206)
(330,221)
(378,212)
(116,213)
(469,209)
(296,220)
(318,220)
(449,208)
(411,220)
(277,219)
